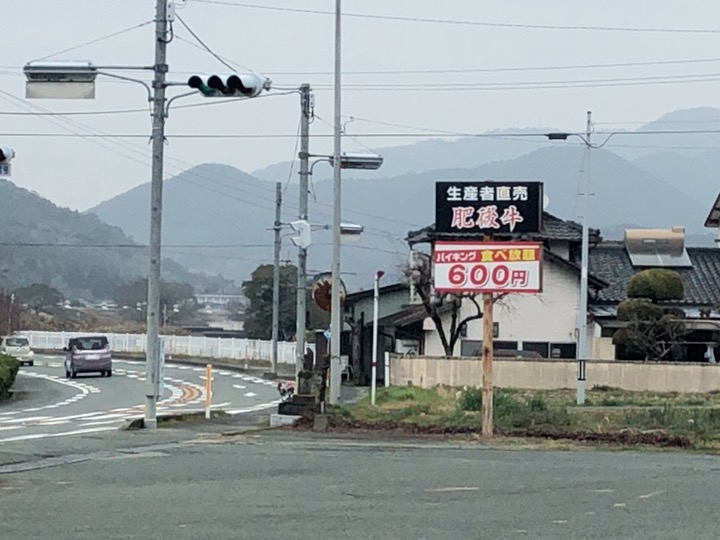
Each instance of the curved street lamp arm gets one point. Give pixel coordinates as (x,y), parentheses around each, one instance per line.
(131,79)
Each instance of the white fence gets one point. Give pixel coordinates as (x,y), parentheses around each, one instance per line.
(202,347)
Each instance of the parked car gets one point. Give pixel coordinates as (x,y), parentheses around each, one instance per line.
(19,347)
(88,354)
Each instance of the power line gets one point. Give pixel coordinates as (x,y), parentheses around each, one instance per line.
(96,40)
(131,246)
(328,135)
(502,69)
(135,148)
(138,110)
(16,70)
(204,45)
(531,85)
(465,22)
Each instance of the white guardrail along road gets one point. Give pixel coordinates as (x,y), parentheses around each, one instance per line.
(195,346)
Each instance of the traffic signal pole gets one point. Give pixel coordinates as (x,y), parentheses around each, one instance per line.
(301,308)
(152,360)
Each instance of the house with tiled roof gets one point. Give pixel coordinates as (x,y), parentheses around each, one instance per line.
(546,323)
(698,267)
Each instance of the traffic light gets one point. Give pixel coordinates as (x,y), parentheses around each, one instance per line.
(6,154)
(233,85)
(304,236)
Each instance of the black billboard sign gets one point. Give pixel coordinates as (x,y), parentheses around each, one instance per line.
(488,207)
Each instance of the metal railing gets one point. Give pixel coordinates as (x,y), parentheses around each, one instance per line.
(194,346)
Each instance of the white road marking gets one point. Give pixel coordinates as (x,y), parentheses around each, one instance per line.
(239,386)
(254,408)
(249,394)
(53,435)
(101,416)
(99,423)
(26,419)
(5,428)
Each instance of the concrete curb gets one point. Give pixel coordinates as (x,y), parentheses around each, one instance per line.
(139,423)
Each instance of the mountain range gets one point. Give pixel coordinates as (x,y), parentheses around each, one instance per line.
(218,219)
(75,253)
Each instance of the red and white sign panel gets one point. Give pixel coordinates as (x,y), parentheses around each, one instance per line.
(487,267)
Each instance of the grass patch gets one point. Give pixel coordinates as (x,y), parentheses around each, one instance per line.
(610,415)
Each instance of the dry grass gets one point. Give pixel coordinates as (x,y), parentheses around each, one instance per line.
(686,420)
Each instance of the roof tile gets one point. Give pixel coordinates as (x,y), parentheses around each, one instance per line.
(610,262)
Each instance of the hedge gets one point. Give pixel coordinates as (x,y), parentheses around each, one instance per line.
(9,367)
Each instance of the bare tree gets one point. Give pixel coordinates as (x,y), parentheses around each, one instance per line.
(419,275)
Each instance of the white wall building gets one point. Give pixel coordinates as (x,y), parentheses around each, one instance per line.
(544,323)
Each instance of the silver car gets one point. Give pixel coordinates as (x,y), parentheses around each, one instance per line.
(18,347)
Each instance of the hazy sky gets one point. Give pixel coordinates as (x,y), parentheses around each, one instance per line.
(438,75)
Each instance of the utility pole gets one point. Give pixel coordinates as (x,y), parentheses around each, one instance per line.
(10,310)
(277,227)
(584,260)
(335,305)
(306,111)
(488,343)
(156,188)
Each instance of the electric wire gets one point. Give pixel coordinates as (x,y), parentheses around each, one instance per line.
(433,20)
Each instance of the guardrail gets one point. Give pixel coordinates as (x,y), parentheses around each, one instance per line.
(195,346)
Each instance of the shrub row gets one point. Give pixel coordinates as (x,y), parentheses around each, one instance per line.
(9,367)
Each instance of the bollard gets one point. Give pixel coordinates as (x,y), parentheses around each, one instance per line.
(208,390)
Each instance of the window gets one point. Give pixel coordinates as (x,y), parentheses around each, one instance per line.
(563,350)
(89,343)
(608,331)
(540,347)
(473,347)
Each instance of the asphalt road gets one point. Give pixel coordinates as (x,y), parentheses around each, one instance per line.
(46,404)
(277,485)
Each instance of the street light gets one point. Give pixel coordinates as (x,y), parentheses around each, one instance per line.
(582,352)
(356,161)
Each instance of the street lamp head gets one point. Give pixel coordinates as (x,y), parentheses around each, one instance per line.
(351,229)
(66,72)
(60,80)
(368,162)
(557,136)
(379,274)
